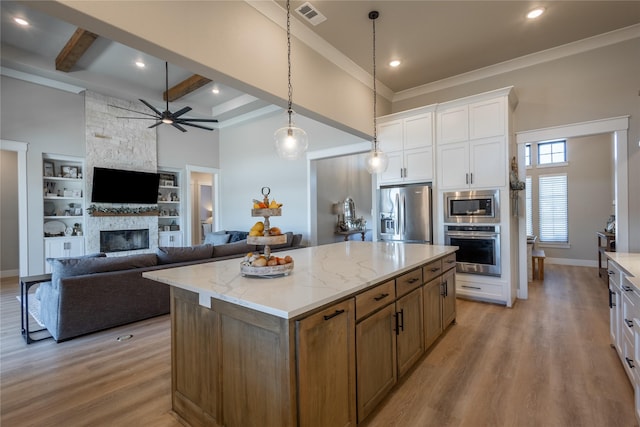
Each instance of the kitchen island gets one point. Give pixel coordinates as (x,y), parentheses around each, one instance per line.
(282,351)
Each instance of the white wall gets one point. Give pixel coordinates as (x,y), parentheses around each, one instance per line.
(249,162)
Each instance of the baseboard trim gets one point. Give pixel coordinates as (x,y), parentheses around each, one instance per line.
(573,262)
(9,273)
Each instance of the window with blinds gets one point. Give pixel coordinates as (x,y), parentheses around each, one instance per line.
(553,216)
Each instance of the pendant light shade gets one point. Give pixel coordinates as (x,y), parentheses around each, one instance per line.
(376,161)
(291,142)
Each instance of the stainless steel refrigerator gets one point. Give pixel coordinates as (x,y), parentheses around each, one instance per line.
(405,213)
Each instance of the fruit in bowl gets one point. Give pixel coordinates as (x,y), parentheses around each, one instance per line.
(254,259)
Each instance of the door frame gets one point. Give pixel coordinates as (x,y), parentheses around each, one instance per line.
(618,128)
(215,183)
(23,230)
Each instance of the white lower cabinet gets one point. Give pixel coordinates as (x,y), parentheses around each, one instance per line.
(170,239)
(62,247)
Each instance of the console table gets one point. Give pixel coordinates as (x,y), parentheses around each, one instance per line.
(348,233)
(606,243)
(25,284)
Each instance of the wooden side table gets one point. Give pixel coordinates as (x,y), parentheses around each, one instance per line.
(606,243)
(26,283)
(346,234)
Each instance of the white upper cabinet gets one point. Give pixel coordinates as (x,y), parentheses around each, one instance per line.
(408,141)
(486,118)
(453,124)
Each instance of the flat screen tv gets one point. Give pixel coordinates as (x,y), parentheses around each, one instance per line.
(124,186)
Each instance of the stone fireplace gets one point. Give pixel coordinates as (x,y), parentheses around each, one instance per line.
(117,144)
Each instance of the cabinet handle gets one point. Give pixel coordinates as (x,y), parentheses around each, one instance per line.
(471,174)
(629,323)
(433,270)
(611,273)
(610,299)
(380,297)
(466,178)
(405,172)
(626,288)
(630,362)
(470,287)
(451,261)
(412,280)
(399,321)
(331,316)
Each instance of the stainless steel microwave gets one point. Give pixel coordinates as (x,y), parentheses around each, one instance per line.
(481,206)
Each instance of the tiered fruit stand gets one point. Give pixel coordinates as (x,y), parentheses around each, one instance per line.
(266,239)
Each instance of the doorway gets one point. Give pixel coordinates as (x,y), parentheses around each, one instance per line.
(618,129)
(202,202)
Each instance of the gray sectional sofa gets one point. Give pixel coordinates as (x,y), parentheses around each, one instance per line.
(96,292)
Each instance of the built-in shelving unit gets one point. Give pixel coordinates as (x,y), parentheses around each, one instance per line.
(63,206)
(170,209)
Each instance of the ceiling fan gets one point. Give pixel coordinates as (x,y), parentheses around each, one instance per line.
(166,116)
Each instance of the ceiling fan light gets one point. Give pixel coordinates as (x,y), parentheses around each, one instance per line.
(376,161)
(291,142)
(167,121)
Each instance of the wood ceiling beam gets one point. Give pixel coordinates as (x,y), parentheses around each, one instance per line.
(185,87)
(74,49)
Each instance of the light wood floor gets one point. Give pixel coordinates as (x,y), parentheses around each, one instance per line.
(546,362)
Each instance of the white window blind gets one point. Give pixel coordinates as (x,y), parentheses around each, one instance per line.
(528,201)
(553,208)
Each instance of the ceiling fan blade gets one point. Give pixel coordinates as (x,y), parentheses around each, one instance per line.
(181,112)
(201,120)
(177,126)
(152,107)
(137,118)
(192,125)
(158,123)
(133,111)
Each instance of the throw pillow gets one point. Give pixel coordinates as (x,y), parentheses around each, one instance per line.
(237,236)
(216,239)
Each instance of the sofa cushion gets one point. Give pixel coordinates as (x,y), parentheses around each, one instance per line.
(236,248)
(169,255)
(237,236)
(216,238)
(67,267)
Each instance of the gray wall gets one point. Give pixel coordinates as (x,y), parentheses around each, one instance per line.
(590,183)
(9,242)
(598,84)
(338,178)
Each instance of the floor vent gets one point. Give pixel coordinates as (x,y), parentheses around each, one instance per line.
(311,14)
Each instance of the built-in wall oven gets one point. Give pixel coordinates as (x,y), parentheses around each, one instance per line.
(479,248)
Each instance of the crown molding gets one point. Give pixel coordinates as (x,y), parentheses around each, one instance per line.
(277,14)
(580,46)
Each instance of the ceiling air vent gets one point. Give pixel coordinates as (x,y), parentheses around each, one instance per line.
(311,14)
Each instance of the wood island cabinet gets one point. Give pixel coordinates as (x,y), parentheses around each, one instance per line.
(236,366)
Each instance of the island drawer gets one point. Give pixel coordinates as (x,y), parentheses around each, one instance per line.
(432,270)
(449,262)
(375,298)
(408,282)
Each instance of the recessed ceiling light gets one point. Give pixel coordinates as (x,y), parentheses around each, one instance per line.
(394,63)
(215,90)
(535,13)
(21,21)
(140,64)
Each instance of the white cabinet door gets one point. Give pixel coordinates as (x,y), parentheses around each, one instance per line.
(394,171)
(62,248)
(486,119)
(487,167)
(170,239)
(453,125)
(390,136)
(419,164)
(418,131)
(453,165)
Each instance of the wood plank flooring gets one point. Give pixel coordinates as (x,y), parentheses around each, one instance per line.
(546,362)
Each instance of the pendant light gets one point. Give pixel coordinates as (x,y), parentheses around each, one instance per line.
(376,161)
(291,141)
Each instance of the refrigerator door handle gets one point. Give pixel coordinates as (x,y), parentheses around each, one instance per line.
(404,216)
(396,226)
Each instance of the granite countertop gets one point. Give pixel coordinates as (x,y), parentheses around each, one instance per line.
(321,274)
(630,263)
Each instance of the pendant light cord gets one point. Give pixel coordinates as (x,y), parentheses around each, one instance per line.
(373,16)
(290,88)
